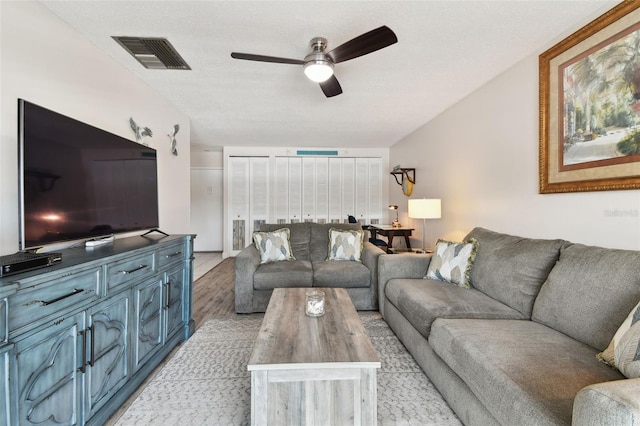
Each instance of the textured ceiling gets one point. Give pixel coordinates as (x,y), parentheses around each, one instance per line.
(445,50)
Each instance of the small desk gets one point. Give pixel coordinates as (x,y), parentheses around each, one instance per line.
(389,231)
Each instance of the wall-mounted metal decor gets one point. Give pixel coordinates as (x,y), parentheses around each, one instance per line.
(172,139)
(140,132)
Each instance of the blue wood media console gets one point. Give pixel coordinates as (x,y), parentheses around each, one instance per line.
(77,338)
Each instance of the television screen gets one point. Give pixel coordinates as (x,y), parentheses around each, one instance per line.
(77,181)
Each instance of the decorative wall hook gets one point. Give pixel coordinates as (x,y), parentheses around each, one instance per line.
(407,178)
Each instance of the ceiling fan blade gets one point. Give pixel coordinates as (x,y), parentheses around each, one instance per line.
(364,44)
(331,87)
(262,58)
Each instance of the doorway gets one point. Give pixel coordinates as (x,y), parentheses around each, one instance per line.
(207,208)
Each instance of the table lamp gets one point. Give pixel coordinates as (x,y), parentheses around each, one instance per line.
(396,222)
(425,209)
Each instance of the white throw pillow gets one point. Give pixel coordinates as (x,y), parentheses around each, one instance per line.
(623,352)
(273,246)
(345,244)
(452,262)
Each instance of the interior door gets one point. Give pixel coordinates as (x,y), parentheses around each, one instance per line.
(207,208)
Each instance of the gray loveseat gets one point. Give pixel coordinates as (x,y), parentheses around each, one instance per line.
(519,347)
(310,244)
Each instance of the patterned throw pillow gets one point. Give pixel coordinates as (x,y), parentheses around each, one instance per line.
(273,246)
(452,262)
(623,352)
(345,244)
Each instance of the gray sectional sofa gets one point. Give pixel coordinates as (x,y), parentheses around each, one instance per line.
(310,243)
(519,347)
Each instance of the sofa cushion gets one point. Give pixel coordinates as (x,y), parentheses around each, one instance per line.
(452,262)
(512,269)
(623,352)
(300,236)
(421,301)
(328,273)
(319,242)
(345,244)
(523,372)
(589,293)
(273,246)
(294,273)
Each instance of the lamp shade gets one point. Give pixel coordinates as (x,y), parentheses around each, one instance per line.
(425,208)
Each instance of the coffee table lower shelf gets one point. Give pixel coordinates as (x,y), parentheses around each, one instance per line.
(313,395)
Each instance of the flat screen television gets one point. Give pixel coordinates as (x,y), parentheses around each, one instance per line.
(79,182)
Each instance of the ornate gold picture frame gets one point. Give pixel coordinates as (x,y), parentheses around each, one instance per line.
(590,106)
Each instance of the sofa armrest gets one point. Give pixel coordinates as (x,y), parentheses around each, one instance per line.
(370,255)
(609,403)
(246,264)
(392,266)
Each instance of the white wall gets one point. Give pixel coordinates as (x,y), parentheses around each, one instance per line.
(206,159)
(481,157)
(46,62)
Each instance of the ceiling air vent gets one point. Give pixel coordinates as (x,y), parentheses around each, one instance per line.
(153,52)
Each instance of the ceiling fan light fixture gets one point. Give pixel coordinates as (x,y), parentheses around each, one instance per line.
(318,70)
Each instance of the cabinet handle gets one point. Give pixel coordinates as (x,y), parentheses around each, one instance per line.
(168,295)
(57,299)
(168,256)
(93,345)
(82,368)
(133,270)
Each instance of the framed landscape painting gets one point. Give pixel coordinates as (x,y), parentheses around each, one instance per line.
(590,106)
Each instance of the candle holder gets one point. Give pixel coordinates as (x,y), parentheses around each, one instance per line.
(314,304)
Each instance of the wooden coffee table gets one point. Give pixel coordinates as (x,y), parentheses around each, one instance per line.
(313,371)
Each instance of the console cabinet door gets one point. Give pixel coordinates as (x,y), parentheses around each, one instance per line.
(175,296)
(4,328)
(5,391)
(48,369)
(5,418)
(149,331)
(108,361)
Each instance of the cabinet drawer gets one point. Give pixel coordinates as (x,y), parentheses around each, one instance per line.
(123,271)
(52,297)
(171,254)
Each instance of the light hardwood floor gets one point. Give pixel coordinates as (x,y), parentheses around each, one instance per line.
(210,299)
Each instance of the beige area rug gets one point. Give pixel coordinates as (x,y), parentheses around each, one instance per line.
(206,382)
